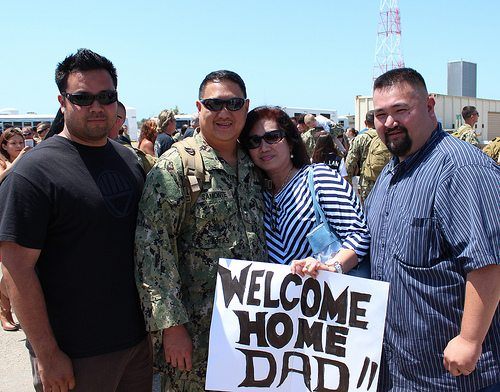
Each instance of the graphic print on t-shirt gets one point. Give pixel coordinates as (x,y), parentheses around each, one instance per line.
(117,192)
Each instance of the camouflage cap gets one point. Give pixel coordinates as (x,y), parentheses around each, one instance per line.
(164,117)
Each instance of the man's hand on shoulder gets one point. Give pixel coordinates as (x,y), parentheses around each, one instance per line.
(461,356)
(56,372)
(177,347)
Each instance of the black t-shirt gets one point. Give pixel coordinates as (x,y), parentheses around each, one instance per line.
(163,143)
(78,204)
(333,160)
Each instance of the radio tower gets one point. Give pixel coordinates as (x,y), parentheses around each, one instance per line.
(388,52)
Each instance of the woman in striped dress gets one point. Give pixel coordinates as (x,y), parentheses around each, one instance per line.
(275,146)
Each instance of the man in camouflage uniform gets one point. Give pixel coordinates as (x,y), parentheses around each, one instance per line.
(329,127)
(179,242)
(309,140)
(493,149)
(466,132)
(357,156)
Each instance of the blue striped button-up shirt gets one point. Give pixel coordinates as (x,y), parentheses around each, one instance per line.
(433,218)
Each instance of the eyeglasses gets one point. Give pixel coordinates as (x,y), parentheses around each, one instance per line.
(86,99)
(271,137)
(216,104)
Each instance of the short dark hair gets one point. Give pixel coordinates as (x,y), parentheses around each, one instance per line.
(398,76)
(468,111)
(370,118)
(219,76)
(83,60)
(122,106)
(300,157)
(300,118)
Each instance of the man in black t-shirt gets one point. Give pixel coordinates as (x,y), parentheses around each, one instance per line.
(68,212)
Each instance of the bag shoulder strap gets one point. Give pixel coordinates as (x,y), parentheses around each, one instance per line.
(318,211)
(194,170)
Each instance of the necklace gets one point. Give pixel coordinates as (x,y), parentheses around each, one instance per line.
(287,178)
(275,209)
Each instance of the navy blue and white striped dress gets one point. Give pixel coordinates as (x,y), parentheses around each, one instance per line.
(289,216)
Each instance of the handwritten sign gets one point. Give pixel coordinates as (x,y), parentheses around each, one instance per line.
(273,330)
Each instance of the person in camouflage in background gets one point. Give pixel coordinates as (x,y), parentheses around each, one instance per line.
(357,154)
(466,132)
(309,141)
(179,243)
(493,149)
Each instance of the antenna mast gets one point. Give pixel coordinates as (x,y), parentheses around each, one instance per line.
(388,51)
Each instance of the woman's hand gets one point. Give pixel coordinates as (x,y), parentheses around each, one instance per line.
(309,266)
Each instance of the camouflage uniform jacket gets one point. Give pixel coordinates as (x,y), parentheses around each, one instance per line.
(178,248)
(309,141)
(355,159)
(493,149)
(467,134)
(358,152)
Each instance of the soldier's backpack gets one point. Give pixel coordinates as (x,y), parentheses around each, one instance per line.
(194,170)
(492,149)
(147,161)
(377,157)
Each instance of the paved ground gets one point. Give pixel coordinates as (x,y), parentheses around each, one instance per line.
(15,369)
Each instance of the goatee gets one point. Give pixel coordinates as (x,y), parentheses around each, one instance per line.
(399,147)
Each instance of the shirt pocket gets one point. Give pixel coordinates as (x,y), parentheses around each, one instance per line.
(212,229)
(252,210)
(417,244)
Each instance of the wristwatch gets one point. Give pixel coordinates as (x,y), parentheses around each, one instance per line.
(336,265)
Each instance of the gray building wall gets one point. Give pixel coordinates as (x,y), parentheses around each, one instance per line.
(462,78)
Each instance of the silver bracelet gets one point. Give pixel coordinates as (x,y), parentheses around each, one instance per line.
(336,265)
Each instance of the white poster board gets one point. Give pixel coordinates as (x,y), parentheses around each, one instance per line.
(273,330)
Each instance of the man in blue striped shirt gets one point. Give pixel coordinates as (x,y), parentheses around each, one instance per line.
(433,216)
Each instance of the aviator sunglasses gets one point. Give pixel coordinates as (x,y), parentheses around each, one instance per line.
(86,99)
(271,137)
(216,104)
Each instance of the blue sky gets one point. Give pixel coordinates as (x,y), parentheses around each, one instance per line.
(316,54)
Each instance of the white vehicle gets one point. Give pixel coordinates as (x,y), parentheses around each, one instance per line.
(131,123)
(11,118)
(327,113)
(182,119)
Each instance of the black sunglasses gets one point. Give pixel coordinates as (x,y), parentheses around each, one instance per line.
(86,99)
(271,137)
(216,104)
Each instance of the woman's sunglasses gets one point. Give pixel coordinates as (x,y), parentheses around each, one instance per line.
(216,104)
(86,99)
(270,137)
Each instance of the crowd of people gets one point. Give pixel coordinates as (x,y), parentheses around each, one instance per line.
(110,252)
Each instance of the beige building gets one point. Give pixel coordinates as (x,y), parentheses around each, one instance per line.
(448,110)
